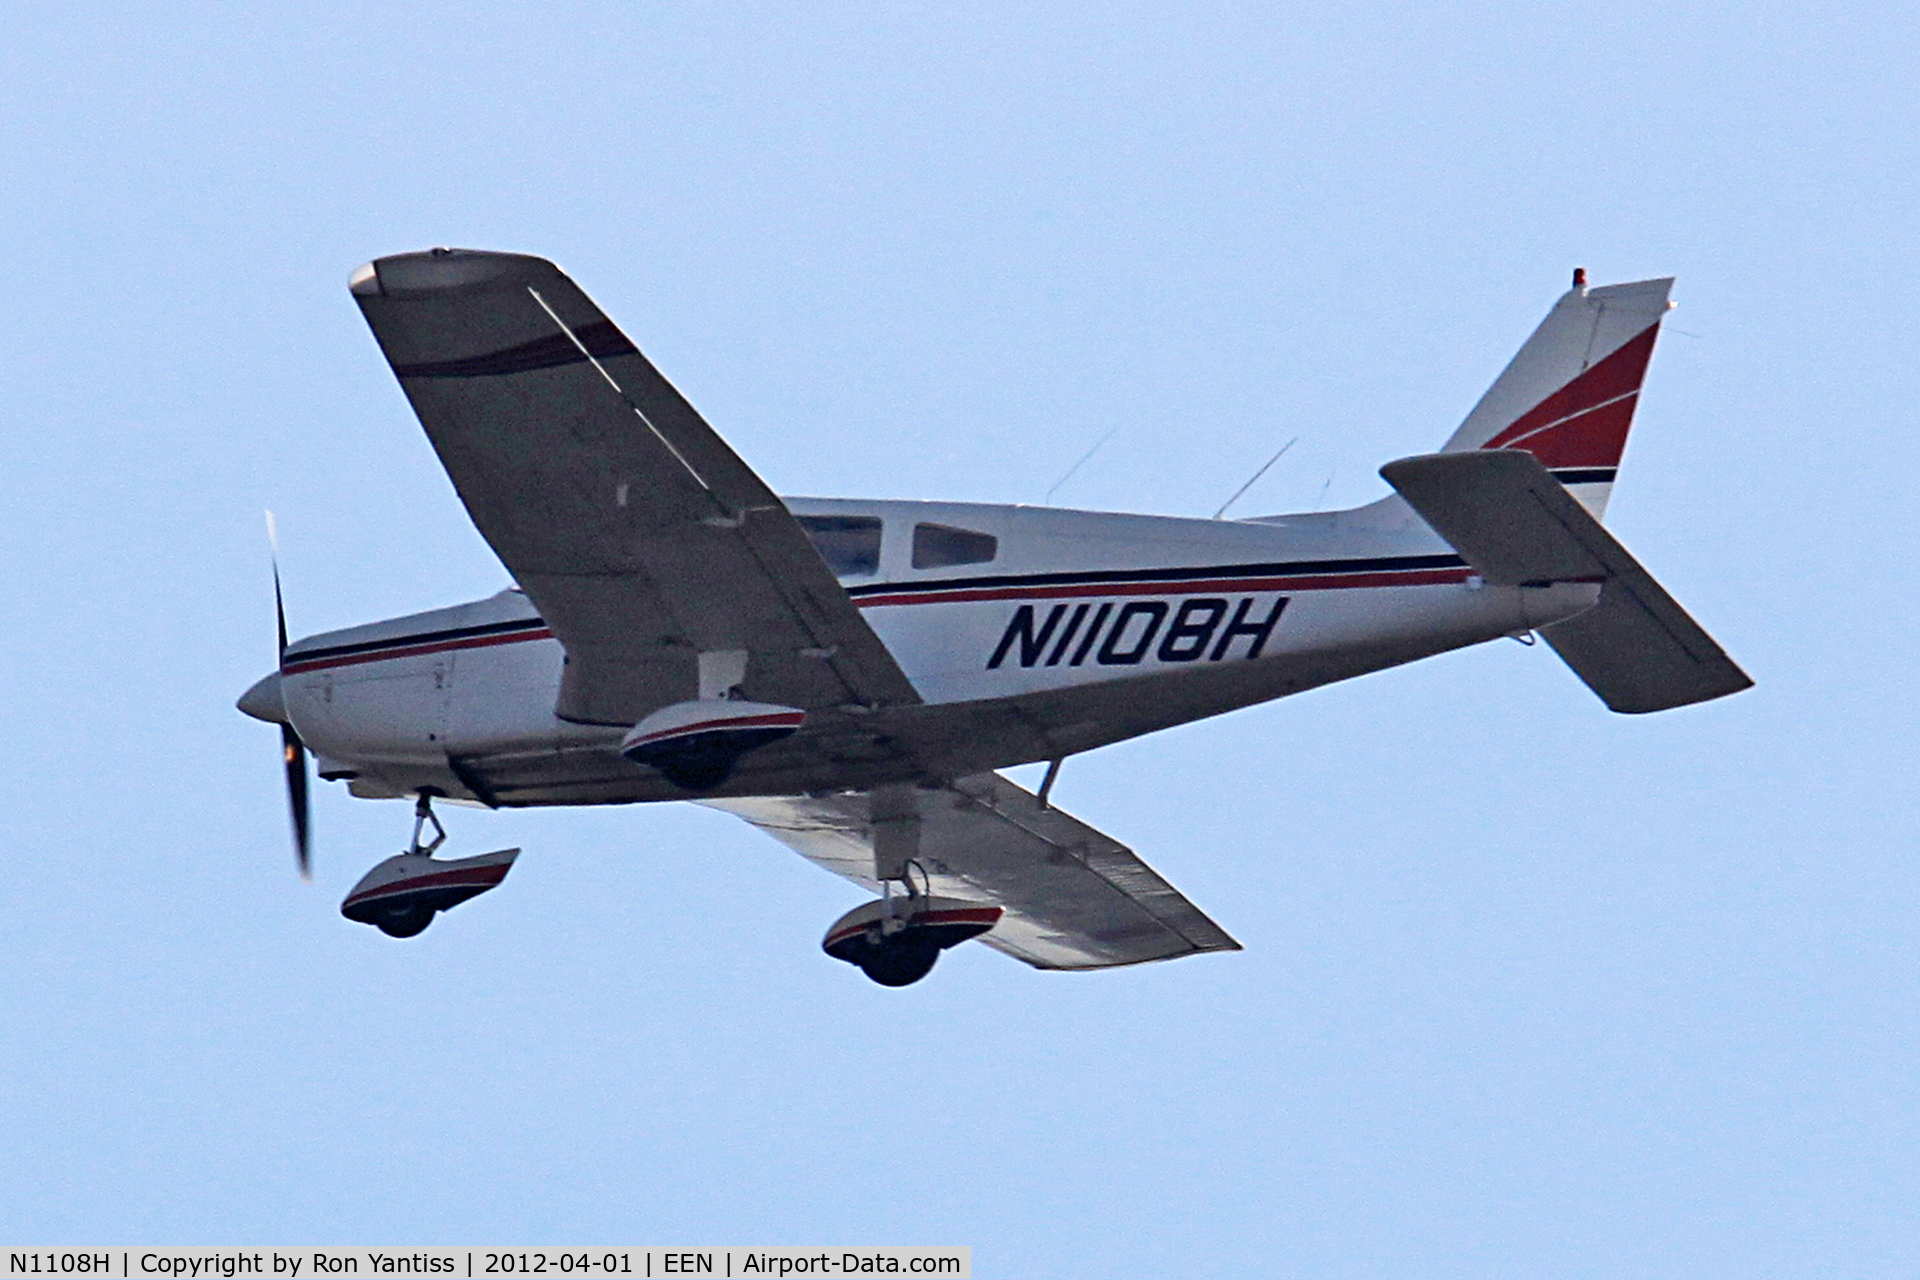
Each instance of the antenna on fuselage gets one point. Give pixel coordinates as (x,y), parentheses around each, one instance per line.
(1255,476)
(1321,501)
(1076,466)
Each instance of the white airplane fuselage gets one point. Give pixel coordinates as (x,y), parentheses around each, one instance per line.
(1093,626)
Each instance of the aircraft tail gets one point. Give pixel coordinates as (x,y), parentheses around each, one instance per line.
(1568,397)
(1505,515)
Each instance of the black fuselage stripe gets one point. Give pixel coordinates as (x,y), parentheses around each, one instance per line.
(1202,573)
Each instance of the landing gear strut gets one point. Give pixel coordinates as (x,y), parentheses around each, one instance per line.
(898,949)
(422,815)
(896,940)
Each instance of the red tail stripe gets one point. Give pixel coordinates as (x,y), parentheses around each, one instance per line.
(1619,374)
(1593,439)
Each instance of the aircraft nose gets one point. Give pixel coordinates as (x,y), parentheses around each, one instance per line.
(264,700)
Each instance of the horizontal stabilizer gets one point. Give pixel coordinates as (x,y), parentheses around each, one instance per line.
(1515,524)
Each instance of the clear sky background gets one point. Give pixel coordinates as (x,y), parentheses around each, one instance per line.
(1529,989)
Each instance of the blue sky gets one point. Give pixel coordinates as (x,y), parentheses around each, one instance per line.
(1529,989)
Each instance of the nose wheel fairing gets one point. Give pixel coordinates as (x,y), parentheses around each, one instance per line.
(401,896)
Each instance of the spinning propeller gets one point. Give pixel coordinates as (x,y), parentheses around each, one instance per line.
(292,750)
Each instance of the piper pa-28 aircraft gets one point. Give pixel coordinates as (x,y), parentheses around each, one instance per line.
(849,675)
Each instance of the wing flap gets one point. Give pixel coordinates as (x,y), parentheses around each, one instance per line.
(1506,515)
(1074,898)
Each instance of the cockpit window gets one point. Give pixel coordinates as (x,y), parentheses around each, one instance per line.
(935,546)
(849,544)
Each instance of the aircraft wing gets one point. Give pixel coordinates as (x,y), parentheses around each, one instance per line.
(1074,898)
(641,536)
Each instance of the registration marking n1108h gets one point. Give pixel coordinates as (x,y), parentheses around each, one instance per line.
(1196,629)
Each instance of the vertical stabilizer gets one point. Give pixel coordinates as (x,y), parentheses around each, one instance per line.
(1568,397)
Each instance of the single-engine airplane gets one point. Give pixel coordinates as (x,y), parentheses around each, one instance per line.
(849,675)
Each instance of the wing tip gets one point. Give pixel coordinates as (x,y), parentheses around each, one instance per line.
(433,271)
(365,281)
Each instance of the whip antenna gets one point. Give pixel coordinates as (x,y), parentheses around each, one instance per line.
(1256,475)
(1084,458)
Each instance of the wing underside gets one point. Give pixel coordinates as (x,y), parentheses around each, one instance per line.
(1074,898)
(642,537)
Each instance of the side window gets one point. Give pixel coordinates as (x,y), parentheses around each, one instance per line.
(849,544)
(935,546)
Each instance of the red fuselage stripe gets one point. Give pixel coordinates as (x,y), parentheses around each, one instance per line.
(404,650)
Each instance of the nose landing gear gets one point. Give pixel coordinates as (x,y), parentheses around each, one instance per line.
(400,896)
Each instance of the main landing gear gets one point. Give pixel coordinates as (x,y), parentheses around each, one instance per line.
(897,940)
(400,896)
